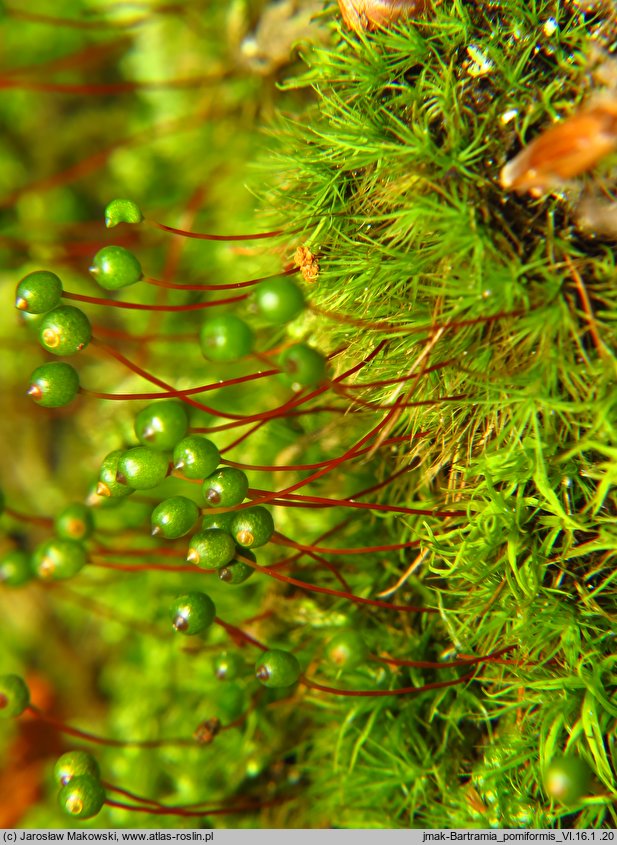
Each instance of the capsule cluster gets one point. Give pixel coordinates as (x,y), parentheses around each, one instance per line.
(222,527)
(61,556)
(213,512)
(64,330)
(165,447)
(81,794)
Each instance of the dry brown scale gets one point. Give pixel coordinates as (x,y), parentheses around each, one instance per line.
(373,14)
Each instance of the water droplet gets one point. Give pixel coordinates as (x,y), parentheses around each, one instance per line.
(508,115)
(550,27)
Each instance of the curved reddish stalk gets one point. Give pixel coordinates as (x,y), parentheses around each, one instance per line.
(104,89)
(150,567)
(237,633)
(279,540)
(101,740)
(140,306)
(130,365)
(109,787)
(324,502)
(383,692)
(444,664)
(207,811)
(268,415)
(344,410)
(161,283)
(292,502)
(158,551)
(96,160)
(419,403)
(239,439)
(288,561)
(286,501)
(335,316)
(391,441)
(399,379)
(331,568)
(285,409)
(239,419)
(379,485)
(191,391)
(96,25)
(85,57)
(352,450)
(174,249)
(86,602)
(119,334)
(44,521)
(328,591)
(143,801)
(331,465)
(409,329)
(204,236)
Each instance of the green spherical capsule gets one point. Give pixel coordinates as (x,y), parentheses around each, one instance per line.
(253,527)
(228,666)
(211,549)
(115,267)
(142,468)
(196,456)
(14,696)
(38,292)
(192,613)
(65,330)
(302,366)
(122,211)
(162,424)
(174,517)
(225,488)
(225,338)
(277,668)
(15,568)
(279,300)
(567,779)
(237,571)
(347,650)
(54,385)
(57,559)
(75,522)
(108,485)
(82,797)
(74,764)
